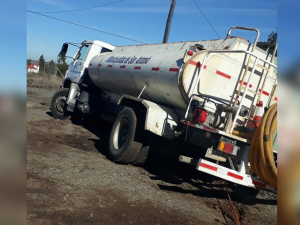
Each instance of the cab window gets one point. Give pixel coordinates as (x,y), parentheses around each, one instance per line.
(82,52)
(103,50)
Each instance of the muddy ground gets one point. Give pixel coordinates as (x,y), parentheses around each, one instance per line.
(71,181)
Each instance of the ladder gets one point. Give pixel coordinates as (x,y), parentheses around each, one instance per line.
(229,126)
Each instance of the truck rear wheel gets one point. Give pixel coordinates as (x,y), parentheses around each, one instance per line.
(122,147)
(59,105)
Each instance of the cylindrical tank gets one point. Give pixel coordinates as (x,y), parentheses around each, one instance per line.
(159,71)
(168,72)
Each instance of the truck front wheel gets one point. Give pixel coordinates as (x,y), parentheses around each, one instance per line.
(59,105)
(122,147)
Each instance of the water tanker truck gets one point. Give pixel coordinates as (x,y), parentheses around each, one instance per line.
(218,96)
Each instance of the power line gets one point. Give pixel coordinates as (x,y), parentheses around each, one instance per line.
(76,24)
(207,19)
(74,10)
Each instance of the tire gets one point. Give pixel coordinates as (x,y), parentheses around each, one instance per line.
(142,156)
(122,147)
(59,106)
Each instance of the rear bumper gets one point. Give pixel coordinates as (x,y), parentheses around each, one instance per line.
(227,174)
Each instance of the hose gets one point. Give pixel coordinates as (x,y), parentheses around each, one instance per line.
(261,149)
(243,135)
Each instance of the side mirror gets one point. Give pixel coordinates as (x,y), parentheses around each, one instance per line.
(63,50)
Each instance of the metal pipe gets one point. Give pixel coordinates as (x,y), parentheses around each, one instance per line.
(142,91)
(188,106)
(265,80)
(240,51)
(72,93)
(245,28)
(274,43)
(228,109)
(198,78)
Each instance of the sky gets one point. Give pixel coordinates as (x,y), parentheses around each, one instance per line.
(13,46)
(143,21)
(288,35)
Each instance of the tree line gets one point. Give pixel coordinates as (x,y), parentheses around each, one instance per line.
(272,39)
(51,67)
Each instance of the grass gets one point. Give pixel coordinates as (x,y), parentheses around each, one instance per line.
(43,81)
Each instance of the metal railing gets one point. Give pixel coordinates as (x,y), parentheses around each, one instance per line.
(251,54)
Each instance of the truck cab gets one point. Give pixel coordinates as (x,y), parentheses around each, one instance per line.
(65,101)
(86,51)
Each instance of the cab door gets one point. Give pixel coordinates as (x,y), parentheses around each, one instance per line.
(76,67)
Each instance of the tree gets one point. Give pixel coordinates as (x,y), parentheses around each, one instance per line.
(28,61)
(61,59)
(62,68)
(51,67)
(41,64)
(272,38)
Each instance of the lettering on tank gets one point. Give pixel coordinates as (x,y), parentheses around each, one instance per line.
(128,60)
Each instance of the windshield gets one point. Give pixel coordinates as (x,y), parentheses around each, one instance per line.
(80,55)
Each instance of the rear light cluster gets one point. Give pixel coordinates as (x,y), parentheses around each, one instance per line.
(228,146)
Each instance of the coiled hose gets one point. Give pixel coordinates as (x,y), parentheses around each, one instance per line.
(261,149)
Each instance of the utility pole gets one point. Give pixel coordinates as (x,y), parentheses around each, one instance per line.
(168,24)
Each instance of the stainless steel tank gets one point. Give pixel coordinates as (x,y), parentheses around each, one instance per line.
(168,72)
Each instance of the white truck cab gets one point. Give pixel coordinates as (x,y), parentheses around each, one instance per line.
(80,62)
(87,50)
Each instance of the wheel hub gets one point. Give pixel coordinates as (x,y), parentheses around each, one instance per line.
(120,134)
(60,103)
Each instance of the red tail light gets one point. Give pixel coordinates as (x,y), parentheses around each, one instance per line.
(228,148)
(199,115)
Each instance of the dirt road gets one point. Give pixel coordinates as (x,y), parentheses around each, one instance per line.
(70,181)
